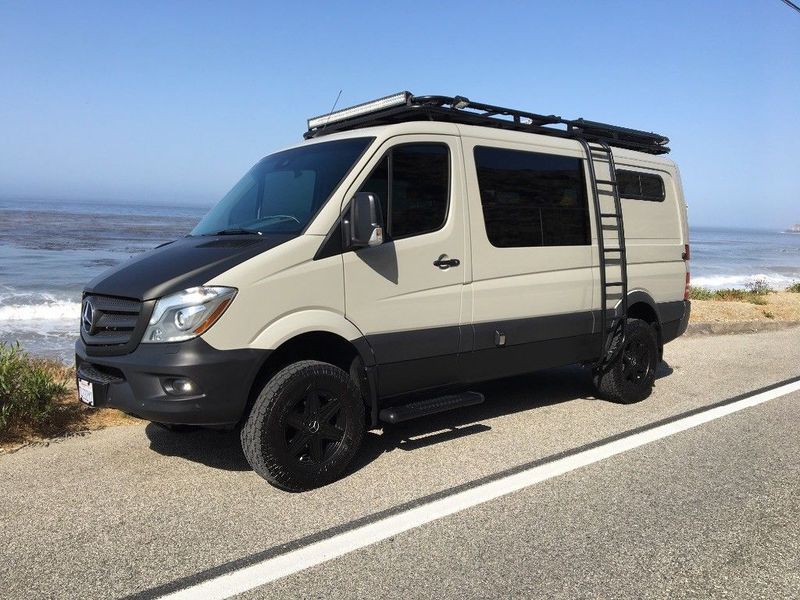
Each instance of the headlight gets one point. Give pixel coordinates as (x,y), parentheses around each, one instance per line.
(187,314)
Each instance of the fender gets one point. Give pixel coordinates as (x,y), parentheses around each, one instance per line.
(642,296)
(306,321)
(634,296)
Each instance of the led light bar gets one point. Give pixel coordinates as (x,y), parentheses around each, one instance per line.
(360,109)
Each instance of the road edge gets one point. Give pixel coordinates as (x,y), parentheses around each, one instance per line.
(737,327)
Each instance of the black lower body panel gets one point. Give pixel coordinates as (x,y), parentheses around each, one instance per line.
(139,383)
(416,359)
(675,327)
(496,363)
(410,362)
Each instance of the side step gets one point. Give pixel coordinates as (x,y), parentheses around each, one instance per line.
(424,408)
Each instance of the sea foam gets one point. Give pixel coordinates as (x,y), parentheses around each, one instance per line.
(716,282)
(49,310)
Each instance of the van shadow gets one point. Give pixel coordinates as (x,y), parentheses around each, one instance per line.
(663,370)
(221,449)
(381,259)
(502,397)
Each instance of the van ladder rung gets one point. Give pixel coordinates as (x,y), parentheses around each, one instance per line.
(606,192)
(614,284)
(612,249)
(606,181)
(615,215)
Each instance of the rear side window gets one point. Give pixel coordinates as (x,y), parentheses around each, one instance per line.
(532,199)
(640,186)
(413,184)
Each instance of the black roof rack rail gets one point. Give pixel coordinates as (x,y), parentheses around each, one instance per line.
(404,106)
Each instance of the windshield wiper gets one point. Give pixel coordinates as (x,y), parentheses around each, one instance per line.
(236,231)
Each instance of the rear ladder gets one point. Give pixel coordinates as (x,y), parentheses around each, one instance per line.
(611,250)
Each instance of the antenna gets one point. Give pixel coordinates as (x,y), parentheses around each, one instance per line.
(335,102)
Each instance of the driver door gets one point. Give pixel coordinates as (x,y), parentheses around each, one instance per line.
(406,294)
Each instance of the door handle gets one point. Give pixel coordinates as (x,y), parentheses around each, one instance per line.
(445,263)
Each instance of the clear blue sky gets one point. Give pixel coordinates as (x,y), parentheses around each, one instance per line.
(173,101)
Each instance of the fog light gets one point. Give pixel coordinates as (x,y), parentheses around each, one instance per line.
(180,386)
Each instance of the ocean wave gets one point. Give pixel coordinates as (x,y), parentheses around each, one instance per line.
(716,282)
(49,310)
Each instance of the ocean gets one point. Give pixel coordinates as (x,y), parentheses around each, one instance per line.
(50,249)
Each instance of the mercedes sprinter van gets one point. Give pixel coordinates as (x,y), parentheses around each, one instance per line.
(409,248)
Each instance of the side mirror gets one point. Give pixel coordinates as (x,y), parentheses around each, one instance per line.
(364,221)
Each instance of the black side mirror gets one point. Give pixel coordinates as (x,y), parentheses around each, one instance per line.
(364,221)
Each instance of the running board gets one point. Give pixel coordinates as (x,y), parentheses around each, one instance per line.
(432,406)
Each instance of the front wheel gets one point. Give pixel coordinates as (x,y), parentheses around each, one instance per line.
(630,377)
(305,426)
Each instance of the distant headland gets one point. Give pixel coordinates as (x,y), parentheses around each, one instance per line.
(793,229)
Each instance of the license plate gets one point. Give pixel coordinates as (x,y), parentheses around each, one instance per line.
(86,392)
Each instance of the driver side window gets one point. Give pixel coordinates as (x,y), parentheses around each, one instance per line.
(413,184)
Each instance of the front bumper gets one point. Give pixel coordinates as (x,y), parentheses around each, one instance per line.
(137,383)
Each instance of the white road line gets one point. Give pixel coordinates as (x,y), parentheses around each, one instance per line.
(256,575)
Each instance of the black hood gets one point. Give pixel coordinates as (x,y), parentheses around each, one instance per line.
(184,263)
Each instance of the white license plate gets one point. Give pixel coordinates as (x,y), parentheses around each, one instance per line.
(86,392)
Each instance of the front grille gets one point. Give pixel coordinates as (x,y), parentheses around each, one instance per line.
(109,321)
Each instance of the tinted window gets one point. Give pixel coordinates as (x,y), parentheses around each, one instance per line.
(283,192)
(640,186)
(532,199)
(629,185)
(416,200)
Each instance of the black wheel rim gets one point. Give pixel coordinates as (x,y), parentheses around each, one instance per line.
(314,427)
(636,362)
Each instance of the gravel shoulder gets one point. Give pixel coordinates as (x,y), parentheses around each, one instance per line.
(780,310)
(779,307)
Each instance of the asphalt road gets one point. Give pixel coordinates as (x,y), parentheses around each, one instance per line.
(712,511)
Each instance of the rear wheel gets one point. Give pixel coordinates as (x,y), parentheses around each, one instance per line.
(305,426)
(630,377)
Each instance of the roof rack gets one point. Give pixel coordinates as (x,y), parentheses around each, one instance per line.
(405,106)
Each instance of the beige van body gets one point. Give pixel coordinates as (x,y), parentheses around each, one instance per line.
(286,292)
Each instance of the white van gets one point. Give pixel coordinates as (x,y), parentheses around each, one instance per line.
(409,248)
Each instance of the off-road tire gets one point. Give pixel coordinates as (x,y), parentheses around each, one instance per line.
(272,433)
(630,377)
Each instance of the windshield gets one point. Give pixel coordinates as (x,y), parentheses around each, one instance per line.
(283,192)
